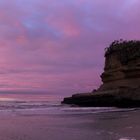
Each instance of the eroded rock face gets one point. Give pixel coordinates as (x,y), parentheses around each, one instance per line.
(122,66)
(121,78)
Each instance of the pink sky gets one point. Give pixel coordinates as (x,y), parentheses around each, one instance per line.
(58,45)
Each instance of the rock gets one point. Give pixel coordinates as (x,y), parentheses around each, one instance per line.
(121,79)
(117,98)
(122,66)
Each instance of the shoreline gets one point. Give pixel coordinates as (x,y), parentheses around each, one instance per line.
(71,127)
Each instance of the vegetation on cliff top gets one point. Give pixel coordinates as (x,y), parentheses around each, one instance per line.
(126,50)
(120,45)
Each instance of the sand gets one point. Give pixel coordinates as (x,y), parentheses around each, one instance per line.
(102,126)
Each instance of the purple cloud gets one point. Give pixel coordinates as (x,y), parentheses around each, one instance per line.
(58,46)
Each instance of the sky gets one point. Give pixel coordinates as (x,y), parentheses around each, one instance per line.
(57,46)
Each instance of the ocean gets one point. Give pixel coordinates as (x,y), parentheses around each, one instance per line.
(43,117)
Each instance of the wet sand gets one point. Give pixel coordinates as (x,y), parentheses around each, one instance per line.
(102,126)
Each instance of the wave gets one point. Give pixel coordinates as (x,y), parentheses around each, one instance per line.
(51,107)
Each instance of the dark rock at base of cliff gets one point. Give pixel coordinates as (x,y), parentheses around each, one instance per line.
(113,98)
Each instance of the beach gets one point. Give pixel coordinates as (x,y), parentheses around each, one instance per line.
(101,126)
(25,117)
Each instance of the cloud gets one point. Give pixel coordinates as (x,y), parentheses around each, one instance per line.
(59,45)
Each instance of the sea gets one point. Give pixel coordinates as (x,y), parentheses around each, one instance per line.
(68,122)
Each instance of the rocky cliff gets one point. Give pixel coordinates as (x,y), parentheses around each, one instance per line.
(122,65)
(121,78)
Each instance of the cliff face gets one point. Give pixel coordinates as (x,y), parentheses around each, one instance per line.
(121,78)
(122,66)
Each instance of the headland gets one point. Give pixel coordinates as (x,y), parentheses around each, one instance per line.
(121,79)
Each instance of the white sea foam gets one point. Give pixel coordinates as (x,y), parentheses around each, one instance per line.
(50,107)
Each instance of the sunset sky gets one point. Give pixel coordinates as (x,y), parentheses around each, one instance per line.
(57,46)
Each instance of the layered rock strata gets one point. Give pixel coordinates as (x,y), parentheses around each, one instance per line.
(121,78)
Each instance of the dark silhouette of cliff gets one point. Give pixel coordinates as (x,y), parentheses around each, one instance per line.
(121,78)
(122,65)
